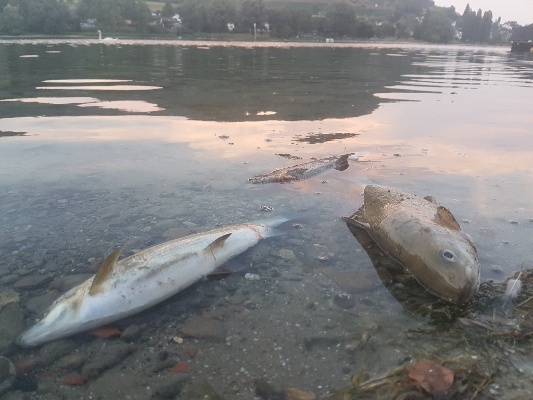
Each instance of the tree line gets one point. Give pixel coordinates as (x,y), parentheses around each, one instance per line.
(420,19)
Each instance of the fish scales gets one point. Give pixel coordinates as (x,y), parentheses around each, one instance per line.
(425,238)
(144,279)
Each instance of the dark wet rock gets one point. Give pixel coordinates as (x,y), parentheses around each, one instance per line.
(200,390)
(207,326)
(8,296)
(170,386)
(344,300)
(72,361)
(355,281)
(9,279)
(106,358)
(39,304)
(7,374)
(131,334)
(31,282)
(265,391)
(164,365)
(53,351)
(11,325)
(65,283)
(25,383)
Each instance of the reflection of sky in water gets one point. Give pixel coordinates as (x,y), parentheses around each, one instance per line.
(454,138)
(92,174)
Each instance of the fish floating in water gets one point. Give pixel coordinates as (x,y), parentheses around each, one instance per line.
(125,287)
(303,171)
(425,238)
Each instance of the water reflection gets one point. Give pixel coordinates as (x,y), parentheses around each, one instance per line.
(89,175)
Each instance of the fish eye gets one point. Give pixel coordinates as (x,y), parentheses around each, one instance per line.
(448,255)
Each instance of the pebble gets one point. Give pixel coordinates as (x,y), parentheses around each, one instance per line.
(252,277)
(31,282)
(107,357)
(11,324)
(131,334)
(7,374)
(8,296)
(170,386)
(207,326)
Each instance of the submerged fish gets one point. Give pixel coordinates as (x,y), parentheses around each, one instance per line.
(122,288)
(303,171)
(425,238)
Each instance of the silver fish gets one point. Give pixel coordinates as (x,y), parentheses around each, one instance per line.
(425,238)
(123,288)
(303,171)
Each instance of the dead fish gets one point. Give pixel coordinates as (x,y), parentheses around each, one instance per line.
(425,238)
(303,171)
(125,287)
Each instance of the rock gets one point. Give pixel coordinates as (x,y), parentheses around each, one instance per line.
(53,351)
(65,283)
(39,304)
(344,300)
(131,334)
(106,358)
(8,296)
(297,394)
(286,254)
(171,385)
(355,281)
(11,325)
(7,374)
(207,326)
(201,390)
(9,279)
(72,361)
(31,282)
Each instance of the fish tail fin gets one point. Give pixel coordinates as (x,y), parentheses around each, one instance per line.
(342,162)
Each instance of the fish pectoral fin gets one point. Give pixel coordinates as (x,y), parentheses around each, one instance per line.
(445,218)
(342,162)
(354,219)
(217,243)
(104,272)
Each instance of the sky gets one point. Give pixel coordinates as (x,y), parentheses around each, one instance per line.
(520,11)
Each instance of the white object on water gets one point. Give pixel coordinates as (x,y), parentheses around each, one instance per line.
(252,277)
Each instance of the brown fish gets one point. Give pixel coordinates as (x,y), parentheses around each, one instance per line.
(303,171)
(425,238)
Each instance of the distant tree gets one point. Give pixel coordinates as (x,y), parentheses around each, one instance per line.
(11,21)
(253,12)
(385,29)
(364,28)
(410,7)
(280,23)
(435,27)
(194,15)
(44,16)
(137,12)
(476,27)
(340,19)
(106,12)
(221,13)
(167,11)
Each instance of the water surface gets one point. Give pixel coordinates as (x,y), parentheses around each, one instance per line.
(131,144)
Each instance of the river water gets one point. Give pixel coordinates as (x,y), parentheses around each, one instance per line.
(131,143)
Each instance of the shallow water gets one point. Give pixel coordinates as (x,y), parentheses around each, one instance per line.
(131,144)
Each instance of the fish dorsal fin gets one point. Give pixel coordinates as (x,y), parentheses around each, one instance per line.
(218,242)
(104,272)
(446,218)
